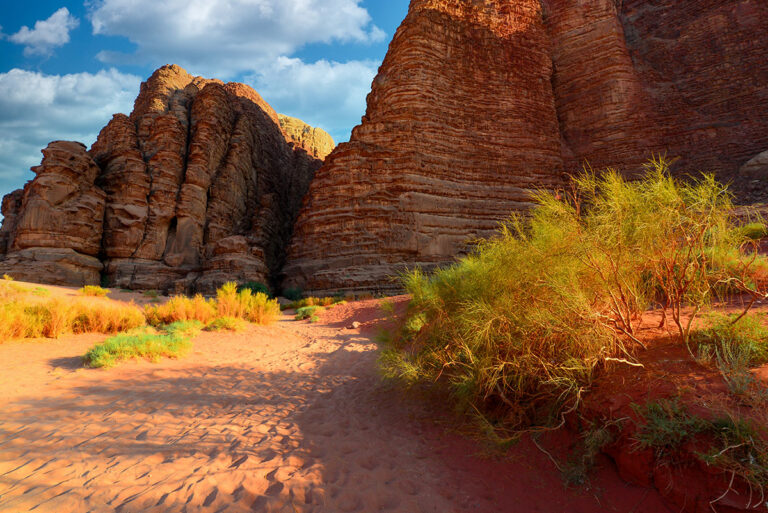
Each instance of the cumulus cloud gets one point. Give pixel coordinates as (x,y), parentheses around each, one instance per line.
(327,94)
(47,34)
(225,37)
(36,108)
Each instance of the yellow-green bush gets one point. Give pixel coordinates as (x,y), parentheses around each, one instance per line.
(244,304)
(93,290)
(226,324)
(307,312)
(518,329)
(181,308)
(105,317)
(261,309)
(314,301)
(257,308)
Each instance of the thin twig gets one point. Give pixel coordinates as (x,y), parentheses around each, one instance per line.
(712,503)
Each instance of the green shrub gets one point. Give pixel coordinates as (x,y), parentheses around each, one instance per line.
(740,449)
(184,329)
(292,294)
(171,342)
(93,290)
(307,312)
(151,293)
(737,446)
(735,345)
(226,324)
(517,329)
(667,425)
(582,460)
(745,338)
(255,288)
(41,292)
(755,231)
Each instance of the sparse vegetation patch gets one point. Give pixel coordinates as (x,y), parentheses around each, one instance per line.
(170,342)
(518,330)
(229,302)
(737,445)
(226,324)
(30,313)
(307,312)
(93,290)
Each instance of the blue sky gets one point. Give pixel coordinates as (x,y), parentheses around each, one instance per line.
(67,66)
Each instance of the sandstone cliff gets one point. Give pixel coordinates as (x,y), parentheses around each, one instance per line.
(460,127)
(478,103)
(199,185)
(314,141)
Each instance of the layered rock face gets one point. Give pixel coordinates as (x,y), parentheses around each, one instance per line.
(52,229)
(199,185)
(686,78)
(478,103)
(315,141)
(460,127)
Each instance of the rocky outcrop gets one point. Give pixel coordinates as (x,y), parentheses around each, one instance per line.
(752,178)
(49,228)
(314,141)
(199,185)
(478,103)
(461,126)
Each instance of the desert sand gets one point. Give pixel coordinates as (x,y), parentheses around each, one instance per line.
(287,418)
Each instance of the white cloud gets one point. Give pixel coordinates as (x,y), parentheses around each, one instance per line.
(47,34)
(36,108)
(330,95)
(225,37)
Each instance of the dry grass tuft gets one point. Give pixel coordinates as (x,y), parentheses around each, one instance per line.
(229,302)
(93,290)
(182,308)
(27,314)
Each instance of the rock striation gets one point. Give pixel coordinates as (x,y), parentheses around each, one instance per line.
(461,125)
(199,185)
(476,105)
(315,141)
(479,103)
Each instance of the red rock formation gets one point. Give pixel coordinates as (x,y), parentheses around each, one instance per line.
(704,67)
(477,103)
(604,111)
(688,78)
(199,185)
(314,141)
(460,127)
(50,226)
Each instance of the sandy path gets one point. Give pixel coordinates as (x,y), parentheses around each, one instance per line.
(291,418)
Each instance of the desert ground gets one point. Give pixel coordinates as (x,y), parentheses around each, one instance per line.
(288,418)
